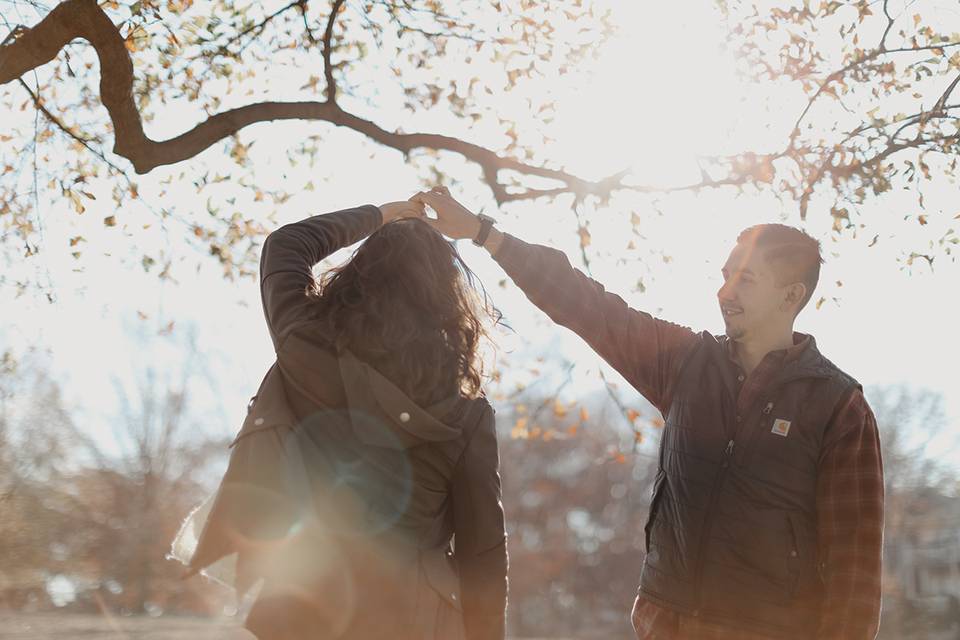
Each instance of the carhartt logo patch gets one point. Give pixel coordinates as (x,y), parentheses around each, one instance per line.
(781,427)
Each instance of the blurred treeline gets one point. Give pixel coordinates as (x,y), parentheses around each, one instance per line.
(87,514)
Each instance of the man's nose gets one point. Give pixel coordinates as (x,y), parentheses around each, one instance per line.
(724,292)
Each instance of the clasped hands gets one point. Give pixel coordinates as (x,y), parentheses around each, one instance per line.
(453,219)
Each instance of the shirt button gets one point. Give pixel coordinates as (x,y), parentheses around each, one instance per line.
(793,554)
(258,421)
(741,378)
(453,596)
(739,419)
(404,417)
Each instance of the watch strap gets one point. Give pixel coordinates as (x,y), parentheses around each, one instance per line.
(486,224)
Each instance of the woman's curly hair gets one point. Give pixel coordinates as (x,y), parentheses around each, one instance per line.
(408,305)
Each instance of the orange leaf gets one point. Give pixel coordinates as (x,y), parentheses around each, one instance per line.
(584,236)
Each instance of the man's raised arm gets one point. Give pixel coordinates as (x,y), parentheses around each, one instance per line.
(645,350)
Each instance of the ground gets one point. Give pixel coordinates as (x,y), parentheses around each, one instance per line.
(15,626)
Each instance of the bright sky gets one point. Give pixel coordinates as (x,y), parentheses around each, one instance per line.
(651,104)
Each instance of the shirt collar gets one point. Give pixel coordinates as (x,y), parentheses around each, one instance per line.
(800,343)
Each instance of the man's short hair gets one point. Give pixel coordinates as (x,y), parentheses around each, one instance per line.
(793,254)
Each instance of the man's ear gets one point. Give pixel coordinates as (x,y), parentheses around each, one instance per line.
(793,295)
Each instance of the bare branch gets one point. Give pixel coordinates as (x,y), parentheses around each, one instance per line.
(328,51)
(224,49)
(883,39)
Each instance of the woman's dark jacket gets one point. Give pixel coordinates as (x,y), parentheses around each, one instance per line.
(366,515)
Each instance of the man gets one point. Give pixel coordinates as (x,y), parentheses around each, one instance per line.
(767,510)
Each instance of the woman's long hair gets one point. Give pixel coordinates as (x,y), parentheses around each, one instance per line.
(408,305)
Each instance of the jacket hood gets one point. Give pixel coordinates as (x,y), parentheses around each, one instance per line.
(380,413)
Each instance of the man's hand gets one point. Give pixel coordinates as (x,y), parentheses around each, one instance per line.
(402,209)
(453,219)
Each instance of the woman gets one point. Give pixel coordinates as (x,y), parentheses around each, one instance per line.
(363,487)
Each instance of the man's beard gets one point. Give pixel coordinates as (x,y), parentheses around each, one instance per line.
(735,333)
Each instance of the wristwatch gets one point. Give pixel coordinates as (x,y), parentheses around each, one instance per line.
(486,223)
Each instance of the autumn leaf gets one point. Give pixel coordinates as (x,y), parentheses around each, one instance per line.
(632,414)
(584,236)
(583,414)
(75,200)
(110,221)
(558,409)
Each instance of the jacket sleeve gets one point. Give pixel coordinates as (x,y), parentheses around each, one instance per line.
(850,524)
(480,542)
(290,253)
(645,350)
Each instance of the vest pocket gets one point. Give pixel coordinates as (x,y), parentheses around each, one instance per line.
(808,581)
(655,500)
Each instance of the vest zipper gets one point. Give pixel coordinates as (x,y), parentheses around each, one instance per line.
(698,578)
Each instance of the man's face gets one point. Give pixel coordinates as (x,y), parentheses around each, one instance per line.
(750,300)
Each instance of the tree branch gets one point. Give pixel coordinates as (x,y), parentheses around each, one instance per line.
(84,19)
(328,51)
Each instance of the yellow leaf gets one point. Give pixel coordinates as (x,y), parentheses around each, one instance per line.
(583,414)
(584,237)
(110,221)
(75,200)
(632,414)
(558,409)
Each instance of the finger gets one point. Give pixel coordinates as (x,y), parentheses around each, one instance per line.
(425,197)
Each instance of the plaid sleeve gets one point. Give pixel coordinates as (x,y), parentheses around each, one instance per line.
(645,350)
(850,516)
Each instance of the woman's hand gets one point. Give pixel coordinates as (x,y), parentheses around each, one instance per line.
(402,209)
(453,219)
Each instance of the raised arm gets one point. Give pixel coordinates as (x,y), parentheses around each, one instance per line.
(645,350)
(290,253)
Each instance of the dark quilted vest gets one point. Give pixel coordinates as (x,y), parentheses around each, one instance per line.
(731,535)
